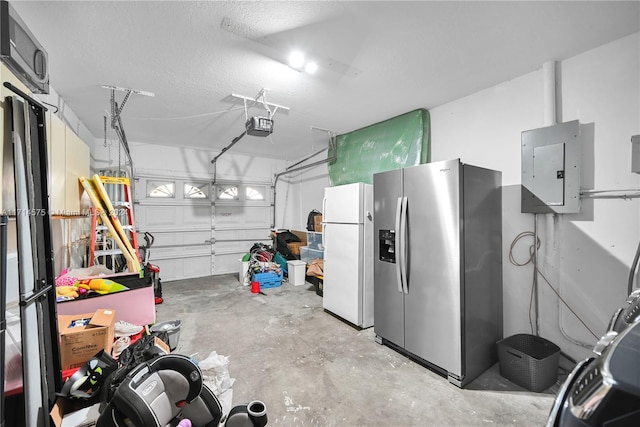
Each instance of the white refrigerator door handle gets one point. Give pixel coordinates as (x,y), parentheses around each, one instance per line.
(324,242)
(324,210)
(398,243)
(403,245)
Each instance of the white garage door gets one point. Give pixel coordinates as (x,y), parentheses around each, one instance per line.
(195,236)
(241,217)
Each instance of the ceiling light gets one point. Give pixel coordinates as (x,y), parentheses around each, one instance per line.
(311,67)
(296,59)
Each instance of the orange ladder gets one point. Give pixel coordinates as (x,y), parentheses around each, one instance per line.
(120,198)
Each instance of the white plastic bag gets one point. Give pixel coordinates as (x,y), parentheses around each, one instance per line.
(215,373)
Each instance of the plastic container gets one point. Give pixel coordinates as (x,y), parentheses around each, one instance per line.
(268,279)
(297,271)
(314,240)
(308,254)
(172,327)
(243,277)
(529,361)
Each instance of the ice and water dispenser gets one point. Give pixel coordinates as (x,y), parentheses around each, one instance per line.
(387,243)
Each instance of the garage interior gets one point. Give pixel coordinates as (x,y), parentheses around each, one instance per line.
(328,213)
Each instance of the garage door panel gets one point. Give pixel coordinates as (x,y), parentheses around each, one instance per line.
(239,247)
(168,269)
(155,216)
(228,263)
(181,238)
(180,252)
(256,234)
(197,215)
(240,241)
(184,268)
(197,266)
(242,216)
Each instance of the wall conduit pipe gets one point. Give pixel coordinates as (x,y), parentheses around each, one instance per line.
(550,115)
(550,86)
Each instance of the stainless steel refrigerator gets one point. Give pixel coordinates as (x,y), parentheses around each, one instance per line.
(348,252)
(438,266)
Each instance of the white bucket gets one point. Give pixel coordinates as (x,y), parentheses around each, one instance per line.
(243,277)
(297,272)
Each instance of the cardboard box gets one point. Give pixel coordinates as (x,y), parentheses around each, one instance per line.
(294,247)
(67,413)
(317,223)
(82,336)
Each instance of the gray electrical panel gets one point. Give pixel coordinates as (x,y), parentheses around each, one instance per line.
(551,159)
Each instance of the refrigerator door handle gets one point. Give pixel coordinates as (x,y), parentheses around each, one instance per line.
(324,243)
(397,243)
(403,245)
(324,210)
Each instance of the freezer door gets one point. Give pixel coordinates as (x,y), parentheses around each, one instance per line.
(344,204)
(388,302)
(343,262)
(433,304)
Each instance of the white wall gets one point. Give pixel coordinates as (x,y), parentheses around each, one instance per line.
(59,107)
(306,193)
(587,255)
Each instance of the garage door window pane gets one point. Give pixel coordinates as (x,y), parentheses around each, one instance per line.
(196,191)
(253,193)
(227,192)
(161,189)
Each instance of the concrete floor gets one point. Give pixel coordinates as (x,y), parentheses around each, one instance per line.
(310,368)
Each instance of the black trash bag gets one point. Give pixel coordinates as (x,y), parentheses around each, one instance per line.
(282,239)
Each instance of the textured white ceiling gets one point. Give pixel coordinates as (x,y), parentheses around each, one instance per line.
(377,60)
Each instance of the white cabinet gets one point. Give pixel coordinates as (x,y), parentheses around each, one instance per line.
(68,160)
(77,160)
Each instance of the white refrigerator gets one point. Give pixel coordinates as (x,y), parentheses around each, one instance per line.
(347,218)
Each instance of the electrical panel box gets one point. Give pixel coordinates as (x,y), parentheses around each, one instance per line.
(551,158)
(635,154)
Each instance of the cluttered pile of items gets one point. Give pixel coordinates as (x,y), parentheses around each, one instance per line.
(137,378)
(298,255)
(263,267)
